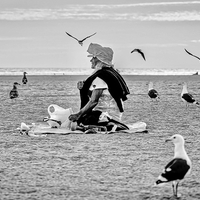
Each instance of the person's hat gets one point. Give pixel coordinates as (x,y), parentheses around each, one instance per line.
(104,54)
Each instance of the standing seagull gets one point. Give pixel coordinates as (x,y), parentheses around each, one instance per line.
(139,51)
(187,97)
(14,93)
(153,94)
(24,79)
(80,41)
(178,167)
(192,54)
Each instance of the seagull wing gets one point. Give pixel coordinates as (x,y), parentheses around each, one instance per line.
(133,50)
(13,94)
(176,169)
(88,37)
(142,54)
(188,97)
(139,51)
(192,54)
(71,36)
(153,93)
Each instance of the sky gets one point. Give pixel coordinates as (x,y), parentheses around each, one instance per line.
(32,33)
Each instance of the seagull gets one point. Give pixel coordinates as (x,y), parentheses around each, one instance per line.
(153,94)
(187,97)
(14,93)
(24,79)
(80,41)
(192,54)
(139,51)
(179,167)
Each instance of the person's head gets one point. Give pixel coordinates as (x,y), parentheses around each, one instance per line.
(101,56)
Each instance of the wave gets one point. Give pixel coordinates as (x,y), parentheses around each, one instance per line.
(84,71)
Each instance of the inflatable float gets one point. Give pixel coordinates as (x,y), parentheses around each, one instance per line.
(58,123)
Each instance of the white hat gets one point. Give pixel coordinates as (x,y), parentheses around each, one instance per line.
(104,54)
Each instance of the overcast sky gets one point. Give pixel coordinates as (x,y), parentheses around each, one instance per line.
(32,32)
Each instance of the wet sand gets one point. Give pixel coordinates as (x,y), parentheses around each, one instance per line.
(118,166)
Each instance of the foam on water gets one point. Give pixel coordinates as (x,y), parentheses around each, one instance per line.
(86,71)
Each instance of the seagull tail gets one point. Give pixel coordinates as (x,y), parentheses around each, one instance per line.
(158,97)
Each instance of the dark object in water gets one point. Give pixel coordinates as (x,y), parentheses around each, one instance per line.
(196,73)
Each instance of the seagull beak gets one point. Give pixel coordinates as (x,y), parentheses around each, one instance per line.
(168,139)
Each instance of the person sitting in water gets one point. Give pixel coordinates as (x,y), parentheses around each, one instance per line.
(102,94)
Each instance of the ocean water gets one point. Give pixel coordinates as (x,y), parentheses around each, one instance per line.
(87,71)
(96,166)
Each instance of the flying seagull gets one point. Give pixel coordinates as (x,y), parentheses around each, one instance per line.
(80,41)
(139,51)
(178,168)
(192,54)
(186,96)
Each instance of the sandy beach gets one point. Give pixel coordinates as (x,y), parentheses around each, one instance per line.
(108,167)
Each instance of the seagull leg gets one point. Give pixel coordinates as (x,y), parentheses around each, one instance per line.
(175,189)
(177,194)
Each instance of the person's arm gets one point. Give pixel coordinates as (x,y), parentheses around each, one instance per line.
(89,106)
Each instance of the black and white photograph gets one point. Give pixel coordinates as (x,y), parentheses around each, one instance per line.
(100,100)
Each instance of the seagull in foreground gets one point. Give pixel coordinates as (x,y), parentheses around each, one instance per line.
(178,167)
(187,97)
(24,79)
(192,54)
(139,51)
(80,41)
(153,94)
(14,93)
